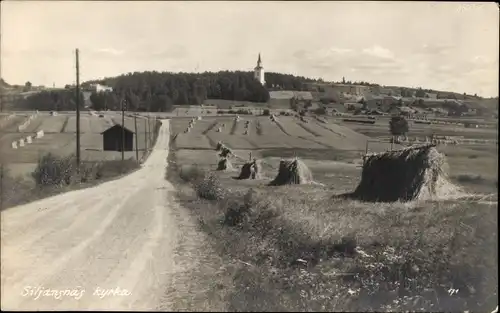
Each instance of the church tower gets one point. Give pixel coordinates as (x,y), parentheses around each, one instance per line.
(258,72)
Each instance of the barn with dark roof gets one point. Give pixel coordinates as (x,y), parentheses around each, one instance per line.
(112,139)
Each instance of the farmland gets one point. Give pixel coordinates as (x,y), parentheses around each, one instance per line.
(329,148)
(60,138)
(282,249)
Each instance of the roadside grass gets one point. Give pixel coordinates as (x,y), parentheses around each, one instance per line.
(58,177)
(297,249)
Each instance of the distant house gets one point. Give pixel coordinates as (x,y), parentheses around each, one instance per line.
(100,88)
(112,139)
(289,94)
(349,89)
(86,98)
(282,99)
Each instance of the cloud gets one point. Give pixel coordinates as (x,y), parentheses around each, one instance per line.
(173,52)
(435,49)
(109,51)
(379,52)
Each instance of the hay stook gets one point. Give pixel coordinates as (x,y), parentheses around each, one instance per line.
(292,172)
(224,165)
(225,152)
(417,172)
(250,170)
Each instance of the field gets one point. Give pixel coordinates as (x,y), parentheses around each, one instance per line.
(60,138)
(297,249)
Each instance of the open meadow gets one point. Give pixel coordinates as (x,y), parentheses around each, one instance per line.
(299,248)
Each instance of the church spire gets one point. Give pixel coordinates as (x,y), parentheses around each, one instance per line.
(259,61)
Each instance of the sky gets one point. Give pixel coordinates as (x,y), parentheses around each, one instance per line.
(445,46)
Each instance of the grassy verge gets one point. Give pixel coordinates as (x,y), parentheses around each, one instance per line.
(17,191)
(297,249)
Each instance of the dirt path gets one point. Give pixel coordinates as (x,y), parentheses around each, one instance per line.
(121,234)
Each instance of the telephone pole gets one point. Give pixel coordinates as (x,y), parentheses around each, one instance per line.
(124,104)
(136,133)
(77,112)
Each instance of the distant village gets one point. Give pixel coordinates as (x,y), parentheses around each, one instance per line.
(333,98)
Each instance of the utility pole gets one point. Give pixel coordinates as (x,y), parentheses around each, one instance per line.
(145,136)
(149,133)
(1,185)
(77,112)
(123,129)
(136,133)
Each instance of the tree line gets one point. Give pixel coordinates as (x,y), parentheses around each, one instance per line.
(159,91)
(155,91)
(54,100)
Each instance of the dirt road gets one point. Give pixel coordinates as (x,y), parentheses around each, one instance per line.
(107,247)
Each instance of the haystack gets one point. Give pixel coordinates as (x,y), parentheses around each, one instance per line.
(219,146)
(412,173)
(225,152)
(292,172)
(224,165)
(250,170)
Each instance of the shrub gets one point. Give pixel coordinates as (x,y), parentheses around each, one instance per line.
(266,112)
(90,171)
(231,111)
(54,171)
(282,113)
(209,112)
(209,188)
(221,112)
(244,112)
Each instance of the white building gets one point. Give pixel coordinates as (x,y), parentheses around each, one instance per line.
(258,72)
(101,88)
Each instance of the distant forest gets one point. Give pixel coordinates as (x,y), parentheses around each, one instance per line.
(155,91)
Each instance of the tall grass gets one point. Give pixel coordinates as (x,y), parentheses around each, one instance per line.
(55,174)
(297,249)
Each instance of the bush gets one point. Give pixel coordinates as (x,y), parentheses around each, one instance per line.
(90,171)
(231,111)
(266,112)
(209,112)
(221,112)
(209,188)
(282,113)
(244,112)
(54,171)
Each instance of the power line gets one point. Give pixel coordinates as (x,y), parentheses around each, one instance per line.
(77,112)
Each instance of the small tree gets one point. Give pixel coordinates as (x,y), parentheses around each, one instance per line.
(420,93)
(27,86)
(398,126)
